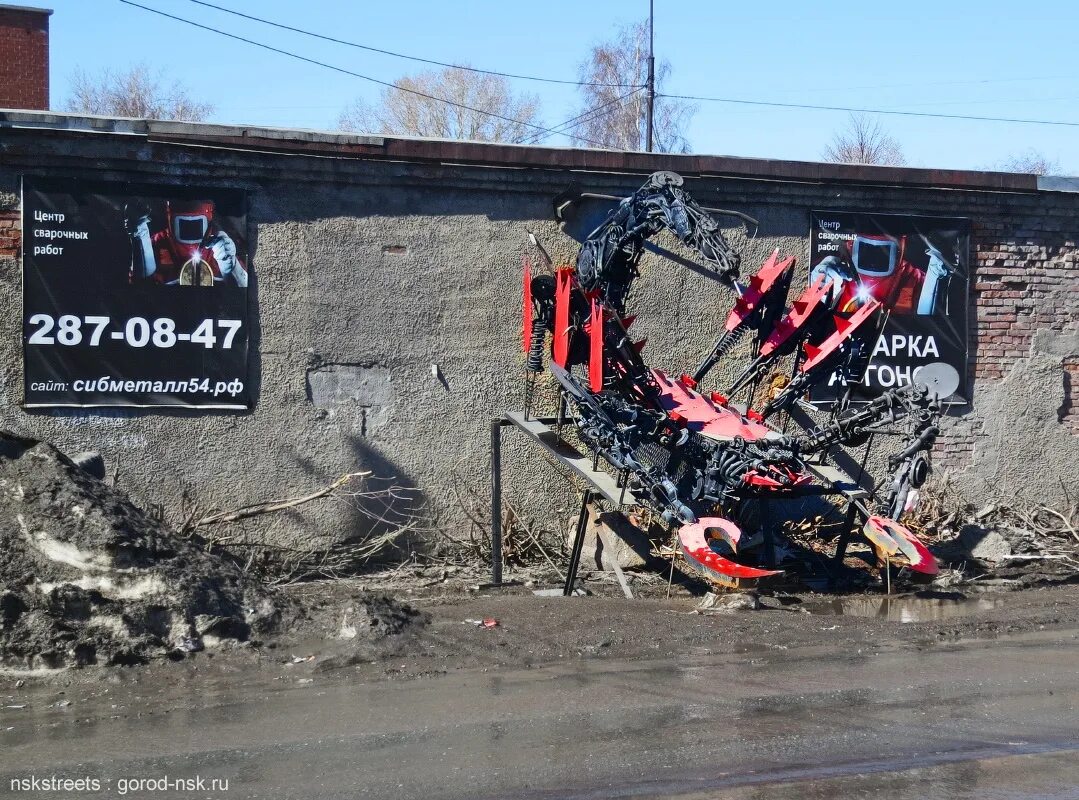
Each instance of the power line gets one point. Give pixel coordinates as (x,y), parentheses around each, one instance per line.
(869,110)
(573,122)
(348,72)
(325,38)
(922,85)
(580,119)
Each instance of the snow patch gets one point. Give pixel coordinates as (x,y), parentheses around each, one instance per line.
(64,552)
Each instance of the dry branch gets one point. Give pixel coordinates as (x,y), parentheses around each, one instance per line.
(277,505)
(1044,540)
(524,542)
(388,522)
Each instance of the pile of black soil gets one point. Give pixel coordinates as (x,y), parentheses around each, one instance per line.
(342,627)
(376,616)
(86,577)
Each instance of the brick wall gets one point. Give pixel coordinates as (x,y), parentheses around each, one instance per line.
(24,58)
(1024,280)
(1069,411)
(10,234)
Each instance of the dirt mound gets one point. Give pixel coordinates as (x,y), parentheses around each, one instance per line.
(376,616)
(86,577)
(371,627)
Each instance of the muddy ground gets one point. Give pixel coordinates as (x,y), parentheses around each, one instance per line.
(460,693)
(129,650)
(435,624)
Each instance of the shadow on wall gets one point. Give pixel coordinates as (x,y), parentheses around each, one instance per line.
(389,501)
(386,504)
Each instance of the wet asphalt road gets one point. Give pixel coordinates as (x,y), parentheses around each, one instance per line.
(979,719)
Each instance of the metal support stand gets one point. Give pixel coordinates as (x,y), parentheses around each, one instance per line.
(865,459)
(583,466)
(769,546)
(844,539)
(496,501)
(561,414)
(578,544)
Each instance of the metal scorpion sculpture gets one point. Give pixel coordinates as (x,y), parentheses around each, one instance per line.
(699,460)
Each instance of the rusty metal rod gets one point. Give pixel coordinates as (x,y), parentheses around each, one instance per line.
(496,502)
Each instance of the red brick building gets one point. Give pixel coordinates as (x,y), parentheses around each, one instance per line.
(24,57)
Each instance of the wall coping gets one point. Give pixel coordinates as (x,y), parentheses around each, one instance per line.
(27,9)
(331,144)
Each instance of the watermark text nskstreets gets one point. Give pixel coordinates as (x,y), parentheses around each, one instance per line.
(118,786)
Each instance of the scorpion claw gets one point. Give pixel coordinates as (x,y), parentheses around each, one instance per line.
(700,556)
(895,542)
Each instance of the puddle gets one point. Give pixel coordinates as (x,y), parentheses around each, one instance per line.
(903,609)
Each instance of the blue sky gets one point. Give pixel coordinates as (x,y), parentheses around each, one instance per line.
(990,58)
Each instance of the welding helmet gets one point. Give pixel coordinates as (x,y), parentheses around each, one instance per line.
(189,220)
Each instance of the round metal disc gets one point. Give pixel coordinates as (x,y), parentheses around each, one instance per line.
(666,178)
(939,378)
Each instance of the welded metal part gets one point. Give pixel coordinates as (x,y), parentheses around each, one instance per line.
(895,544)
(496,502)
(608,259)
(578,544)
(844,353)
(684,454)
(695,541)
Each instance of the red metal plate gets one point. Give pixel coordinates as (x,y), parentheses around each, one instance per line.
(563,279)
(759,285)
(526,312)
(899,545)
(800,312)
(699,554)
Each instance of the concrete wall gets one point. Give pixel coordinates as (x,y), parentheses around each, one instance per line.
(372,267)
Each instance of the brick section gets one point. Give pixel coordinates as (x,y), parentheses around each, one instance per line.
(10,234)
(24,58)
(1025,280)
(1069,410)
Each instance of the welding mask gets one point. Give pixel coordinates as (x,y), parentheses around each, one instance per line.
(189,221)
(874,256)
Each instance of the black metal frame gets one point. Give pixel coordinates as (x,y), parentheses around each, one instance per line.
(545,431)
(615,493)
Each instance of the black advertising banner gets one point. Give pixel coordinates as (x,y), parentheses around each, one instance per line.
(918,268)
(134,295)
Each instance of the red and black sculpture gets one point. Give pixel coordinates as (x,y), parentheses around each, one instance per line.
(698,460)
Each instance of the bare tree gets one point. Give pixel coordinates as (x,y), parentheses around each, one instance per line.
(864,141)
(401,111)
(620,124)
(1030,162)
(135,92)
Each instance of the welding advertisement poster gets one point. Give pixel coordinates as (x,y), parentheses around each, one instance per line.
(918,269)
(134,295)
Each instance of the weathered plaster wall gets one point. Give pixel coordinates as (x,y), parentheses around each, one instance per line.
(368,272)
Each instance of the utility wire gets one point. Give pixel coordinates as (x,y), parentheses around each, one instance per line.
(540,128)
(924,85)
(580,119)
(325,38)
(870,110)
(573,122)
